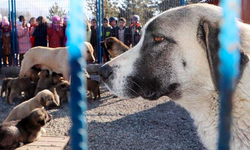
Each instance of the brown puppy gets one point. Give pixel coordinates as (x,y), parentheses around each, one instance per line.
(44,82)
(33,74)
(114,46)
(61,91)
(26,130)
(4,85)
(18,85)
(93,87)
(54,58)
(43,99)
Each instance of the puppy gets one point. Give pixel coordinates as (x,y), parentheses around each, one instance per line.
(44,82)
(26,130)
(18,85)
(61,91)
(57,78)
(54,58)
(114,46)
(4,85)
(42,99)
(93,87)
(33,74)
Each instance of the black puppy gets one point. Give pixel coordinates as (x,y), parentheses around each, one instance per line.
(26,130)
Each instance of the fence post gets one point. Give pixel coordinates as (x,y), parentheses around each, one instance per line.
(76,33)
(229,67)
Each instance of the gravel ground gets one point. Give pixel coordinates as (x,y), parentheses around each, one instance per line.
(127,124)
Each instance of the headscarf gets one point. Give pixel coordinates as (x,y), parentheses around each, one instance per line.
(58,19)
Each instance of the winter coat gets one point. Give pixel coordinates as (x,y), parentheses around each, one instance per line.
(137,35)
(40,34)
(32,38)
(6,42)
(105,32)
(55,37)
(23,38)
(93,37)
(126,35)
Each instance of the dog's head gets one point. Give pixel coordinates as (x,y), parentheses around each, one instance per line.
(39,117)
(114,46)
(56,78)
(90,58)
(61,91)
(44,74)
(47,99)
(177,56)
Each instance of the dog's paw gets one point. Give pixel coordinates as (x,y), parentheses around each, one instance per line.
(43,131)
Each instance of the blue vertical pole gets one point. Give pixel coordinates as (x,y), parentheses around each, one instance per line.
(97,39)
(229,68)
(100,33)
(15,27)
(76,33)
(13,32)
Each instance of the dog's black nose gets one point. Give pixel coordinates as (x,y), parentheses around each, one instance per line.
(105,71)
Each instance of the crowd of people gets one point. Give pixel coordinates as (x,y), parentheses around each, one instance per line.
(112,27)
(38,32)
(35,32)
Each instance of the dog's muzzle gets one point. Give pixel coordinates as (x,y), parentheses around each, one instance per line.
(105,72)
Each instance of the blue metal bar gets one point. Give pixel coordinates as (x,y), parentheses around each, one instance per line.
(15,27)
(100,33)
(76,33)
(13,31)
(229,68)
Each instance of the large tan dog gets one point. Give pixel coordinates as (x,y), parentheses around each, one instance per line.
(26,130)
(180,49)
(54,58)
(43,99)
(114,46)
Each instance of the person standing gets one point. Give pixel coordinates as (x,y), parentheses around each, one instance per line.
(55,32)
(93,37)
(40,32)
(23,38)
(32,25)
(134,30)
(6,43)
(123,32)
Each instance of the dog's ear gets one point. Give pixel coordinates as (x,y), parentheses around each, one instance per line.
(207,36)
(42,101)
(41,122)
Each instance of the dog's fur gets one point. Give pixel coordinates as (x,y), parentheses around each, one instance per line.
(54,58)
(44,82)
(18,85)
(61,91)
(26,130)
(114,46)
(180,49)
(93,87)
(43,99)
(4,85)
(33,74)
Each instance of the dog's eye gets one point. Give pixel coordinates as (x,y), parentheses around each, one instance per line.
(87,51)
(158,39)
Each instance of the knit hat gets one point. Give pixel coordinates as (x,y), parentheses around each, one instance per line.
(56,18)
(5,21)
(112,19)
(136,18)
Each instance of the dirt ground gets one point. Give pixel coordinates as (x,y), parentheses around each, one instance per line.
(127,124)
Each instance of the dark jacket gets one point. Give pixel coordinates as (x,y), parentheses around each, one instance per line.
(137,35)
(106,32)
(114,32)
(93,38)
(126,36)
(40,34)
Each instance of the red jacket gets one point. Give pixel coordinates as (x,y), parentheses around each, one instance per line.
(55,37)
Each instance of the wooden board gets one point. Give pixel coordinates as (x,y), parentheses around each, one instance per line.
(47,143)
